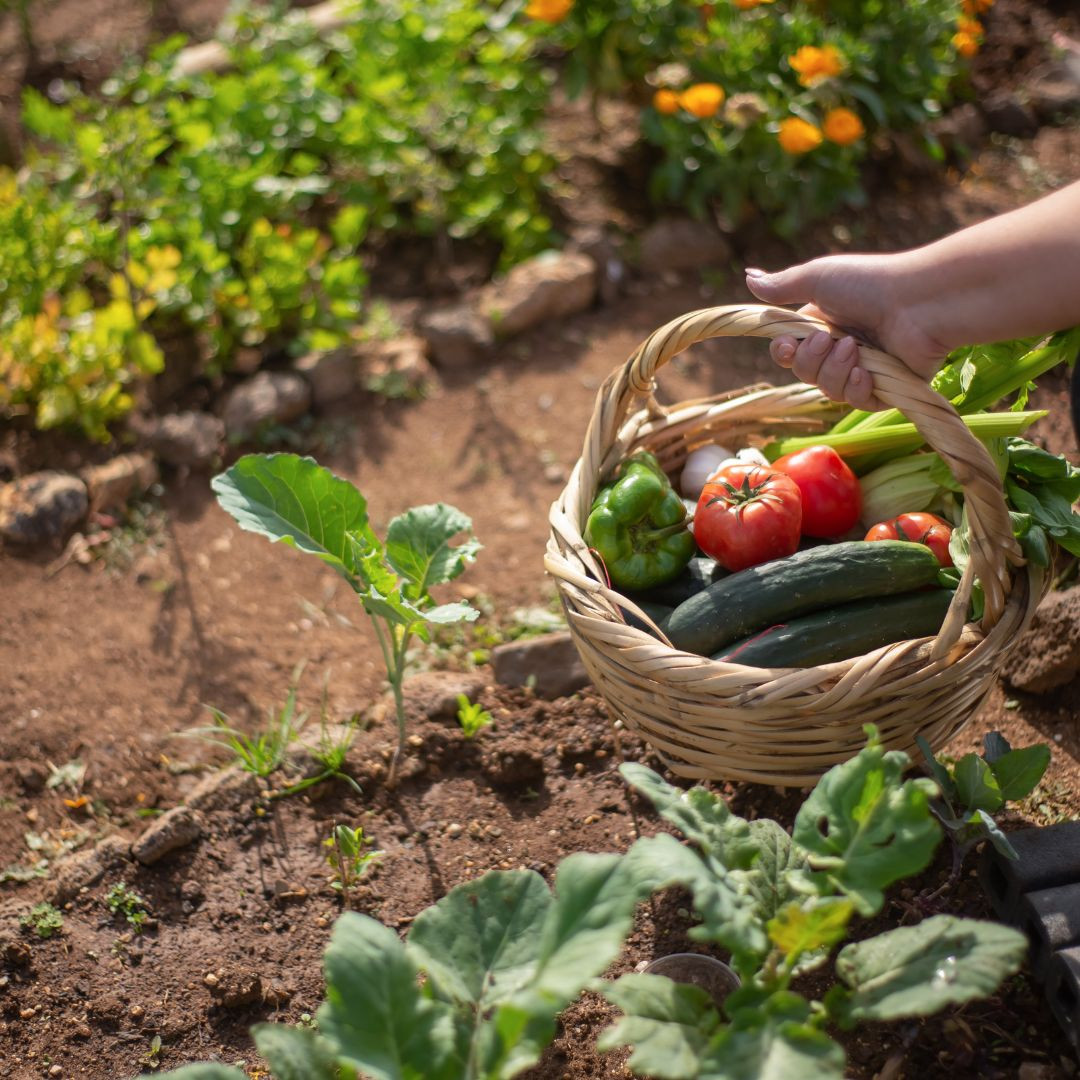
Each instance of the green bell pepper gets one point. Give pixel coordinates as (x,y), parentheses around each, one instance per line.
(638,526)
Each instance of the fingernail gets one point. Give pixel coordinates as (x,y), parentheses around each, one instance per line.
(754,272)
(785,351)
(819,343)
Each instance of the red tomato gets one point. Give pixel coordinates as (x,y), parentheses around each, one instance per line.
(921,528)
(831,498)
(748,514)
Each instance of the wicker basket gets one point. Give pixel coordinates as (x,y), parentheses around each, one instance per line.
(784,726)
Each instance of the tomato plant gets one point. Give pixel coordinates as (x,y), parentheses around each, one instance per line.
(748,515)
(831,498)
(921,528)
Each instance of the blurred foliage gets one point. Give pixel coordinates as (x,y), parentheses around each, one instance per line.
(228,209)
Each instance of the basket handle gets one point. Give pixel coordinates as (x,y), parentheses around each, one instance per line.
(993,547)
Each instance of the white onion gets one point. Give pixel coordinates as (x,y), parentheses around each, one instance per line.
(700,465)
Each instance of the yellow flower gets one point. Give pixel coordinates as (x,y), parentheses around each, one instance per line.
(969,26)
(549,11)
(666,102)
(702,99)
(746,5)
(842,126)
(813,64)
(798,136)
(965,44)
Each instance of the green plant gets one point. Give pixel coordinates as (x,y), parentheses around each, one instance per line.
(471,716)
(266,750)
(348,858)
(152,1058)
(973,789)
(43,919)
(121,899)
(780,904)
(295,500)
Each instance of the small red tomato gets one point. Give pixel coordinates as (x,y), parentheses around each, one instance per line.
(831,497)
(748,514)
(920,528)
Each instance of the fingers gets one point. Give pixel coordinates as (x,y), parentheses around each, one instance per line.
(810,355)
(835,369)
(792,286)
(832,365)
(782,349)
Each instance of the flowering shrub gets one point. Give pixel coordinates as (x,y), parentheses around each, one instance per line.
(771,105)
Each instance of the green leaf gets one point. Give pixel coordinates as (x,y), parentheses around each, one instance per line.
(976,787)
(917,970)
(1018,771)
(295,1053)
(418,546)
(375,1012)
(480,943)
(995,746)
(772,878)
(995,835)
(295,500)
(864,826)
(204,1071)
(810,926)
(937,769)
(459,611)
(394,608)
(669,1025)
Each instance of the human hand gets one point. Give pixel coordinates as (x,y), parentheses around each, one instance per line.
(868,297)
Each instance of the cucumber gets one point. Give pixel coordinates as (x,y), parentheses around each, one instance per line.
(657,612)
(843,632)
(700,573)
(774,592)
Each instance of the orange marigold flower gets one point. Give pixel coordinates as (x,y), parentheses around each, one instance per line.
(549,11)
(797,136)
(814,64)
(969,26)
(977,7)
(842,126)
(666,102)
(702,99)
(965,44)
(746,5)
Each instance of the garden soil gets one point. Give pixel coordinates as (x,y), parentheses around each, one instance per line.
(104,665)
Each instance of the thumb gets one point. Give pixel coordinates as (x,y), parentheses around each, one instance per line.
(795,285)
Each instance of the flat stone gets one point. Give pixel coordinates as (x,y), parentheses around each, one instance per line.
(457,336)
(1051,919)
(84,869)
(175,829)
(549,664)
(676,243)
(191,439)
(270,397)
(550,286)
(432,695)
(227,789)
(332,375)
(118,480)
(1062,989)
(1048,654)
(41,507)
(1048,857)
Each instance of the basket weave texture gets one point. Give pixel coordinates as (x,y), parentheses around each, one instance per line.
(783,726)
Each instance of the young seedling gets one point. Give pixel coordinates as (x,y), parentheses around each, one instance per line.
(471,716)
(266,750)
(123,900)
(348,858)
(295,500)
(152,1058)
(976,787)
(42,919)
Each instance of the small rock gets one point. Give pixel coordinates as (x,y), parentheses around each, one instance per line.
(457,336)
(1048,654)
(234,989)
(549,663)
(13,952)
(398,367)
(454,830)
(41,507)
(228,789)
(83,869)
(551,286)
(191,439)
(1006,114)
(271,397)
(332,375)
(681,244)
(175,828)
(112,484)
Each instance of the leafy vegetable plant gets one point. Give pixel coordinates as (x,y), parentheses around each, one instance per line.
(295,500)
(123,900)
(43,919)
(501,957)
(348,858)
(471,716)
(780,904)
(976,787)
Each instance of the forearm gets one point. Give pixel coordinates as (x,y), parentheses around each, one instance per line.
(1010,276)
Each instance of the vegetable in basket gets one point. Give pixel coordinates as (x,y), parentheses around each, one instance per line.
(638,526)
(919,528)
(831,499)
